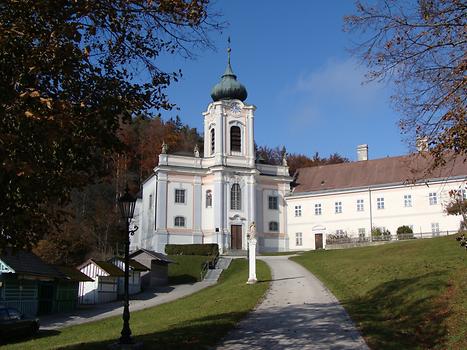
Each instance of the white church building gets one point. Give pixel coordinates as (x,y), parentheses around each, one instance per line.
(215,197)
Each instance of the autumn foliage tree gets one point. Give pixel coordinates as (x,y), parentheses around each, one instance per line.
(295,160)
(457,205)
(72,71)
(420,46)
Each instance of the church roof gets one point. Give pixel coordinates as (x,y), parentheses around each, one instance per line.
(367,173)
(229,88)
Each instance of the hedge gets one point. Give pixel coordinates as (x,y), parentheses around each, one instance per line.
(211,249)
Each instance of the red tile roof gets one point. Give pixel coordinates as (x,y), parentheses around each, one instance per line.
(390,170)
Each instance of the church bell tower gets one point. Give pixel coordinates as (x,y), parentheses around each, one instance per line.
(228,123)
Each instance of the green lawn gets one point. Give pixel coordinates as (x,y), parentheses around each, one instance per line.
(186,269)
(194,322)
(407,295)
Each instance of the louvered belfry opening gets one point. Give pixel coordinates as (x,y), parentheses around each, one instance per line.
(235,139)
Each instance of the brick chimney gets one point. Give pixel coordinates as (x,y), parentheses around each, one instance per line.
(362,152)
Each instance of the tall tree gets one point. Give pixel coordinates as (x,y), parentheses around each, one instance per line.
(70,75)
(420,46)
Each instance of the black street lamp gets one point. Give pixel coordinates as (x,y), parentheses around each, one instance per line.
(126,204)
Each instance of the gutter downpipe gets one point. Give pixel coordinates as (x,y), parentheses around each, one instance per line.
(371,215)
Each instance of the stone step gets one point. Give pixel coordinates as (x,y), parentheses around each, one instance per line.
(213,275)
(223,263)
(236,252)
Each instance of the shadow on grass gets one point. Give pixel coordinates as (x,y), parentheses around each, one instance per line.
(403,313)
(325,325)
(17,338)
(280,279)
(182,279)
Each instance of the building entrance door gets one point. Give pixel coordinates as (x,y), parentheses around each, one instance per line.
(236,237)
(318,241)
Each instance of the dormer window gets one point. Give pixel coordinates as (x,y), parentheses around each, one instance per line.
(235,139)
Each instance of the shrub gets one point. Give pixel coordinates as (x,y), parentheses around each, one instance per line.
(380,233)
(404,232)
(211,249)
(404,229)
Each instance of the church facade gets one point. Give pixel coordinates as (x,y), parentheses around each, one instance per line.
(214,198)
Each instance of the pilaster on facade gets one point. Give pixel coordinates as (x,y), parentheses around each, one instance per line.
(161,208)
(197,205)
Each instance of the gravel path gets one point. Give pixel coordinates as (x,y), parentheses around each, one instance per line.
(298,312)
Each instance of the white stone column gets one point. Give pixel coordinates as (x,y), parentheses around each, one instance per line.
(252,261)
(251,198)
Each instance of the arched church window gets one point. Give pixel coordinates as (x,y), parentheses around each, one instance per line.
(179,221)
(235,139)
(208,198)
(273,226)
(213,140)
(236,197)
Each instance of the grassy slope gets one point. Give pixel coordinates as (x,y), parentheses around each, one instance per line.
(194,322)
(186,269)
(405,295)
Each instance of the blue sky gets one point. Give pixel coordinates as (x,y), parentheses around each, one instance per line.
(293,59)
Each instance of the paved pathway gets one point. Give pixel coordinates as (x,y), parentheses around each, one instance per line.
(297,313)
(141,301)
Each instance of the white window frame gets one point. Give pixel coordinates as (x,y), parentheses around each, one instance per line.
(180,196)
(236,197)
(298,210)
(380,203)
(435,228)
(274,200)
(340,233)
(273,226)
(181,221)
(360,205)
(433,198)
(361,232)
(407,200)
(298,239)
(318,209)
(338,207)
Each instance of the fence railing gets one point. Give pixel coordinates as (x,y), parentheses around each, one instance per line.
(386,238)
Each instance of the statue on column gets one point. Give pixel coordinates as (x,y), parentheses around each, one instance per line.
(252,253)
(165,148)
(196,151)
(252,230)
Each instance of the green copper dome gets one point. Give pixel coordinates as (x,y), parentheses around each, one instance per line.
(229,88)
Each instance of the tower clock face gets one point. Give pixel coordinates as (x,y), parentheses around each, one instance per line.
(235,108)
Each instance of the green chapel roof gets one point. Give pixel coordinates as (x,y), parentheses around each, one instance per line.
(229,88)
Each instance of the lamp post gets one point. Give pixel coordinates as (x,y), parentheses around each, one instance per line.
(126,204)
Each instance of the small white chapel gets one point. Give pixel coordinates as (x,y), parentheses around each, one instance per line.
(215,197)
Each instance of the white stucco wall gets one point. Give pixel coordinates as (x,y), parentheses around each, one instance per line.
(421,215)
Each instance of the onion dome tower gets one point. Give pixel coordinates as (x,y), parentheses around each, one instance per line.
(229,88)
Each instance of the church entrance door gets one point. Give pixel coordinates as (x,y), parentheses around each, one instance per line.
(236,237)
